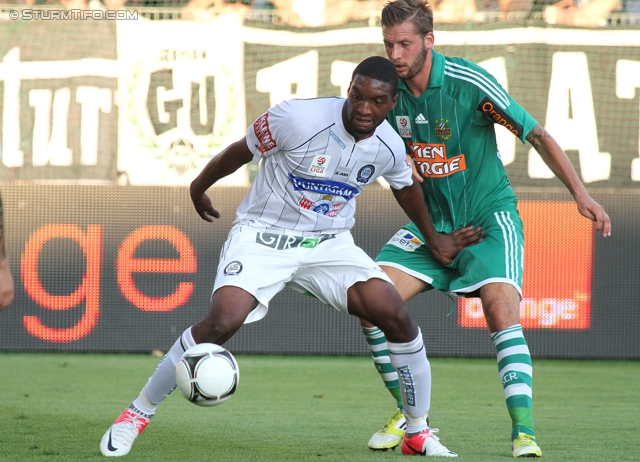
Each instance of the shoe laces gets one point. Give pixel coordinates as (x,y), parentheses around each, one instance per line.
(525,439)
(131,420)
(433,431)
(390,421)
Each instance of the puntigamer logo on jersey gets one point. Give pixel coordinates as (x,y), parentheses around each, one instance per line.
(404,126)
(432,162)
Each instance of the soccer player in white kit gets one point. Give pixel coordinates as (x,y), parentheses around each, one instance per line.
(293,229)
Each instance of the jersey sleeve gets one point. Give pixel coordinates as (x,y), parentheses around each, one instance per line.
(400,174)
(272,131)
(495,105)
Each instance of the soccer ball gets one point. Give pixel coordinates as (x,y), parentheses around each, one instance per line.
(207,374)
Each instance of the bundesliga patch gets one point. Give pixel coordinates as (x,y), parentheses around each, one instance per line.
(405,240)
(319,164)
(404,126)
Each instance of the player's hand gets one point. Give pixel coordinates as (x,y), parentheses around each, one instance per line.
(416,175)
(446,246)
(204,207)
(595,212)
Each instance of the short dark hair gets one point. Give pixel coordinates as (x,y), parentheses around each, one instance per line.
(419,12)
(378,68)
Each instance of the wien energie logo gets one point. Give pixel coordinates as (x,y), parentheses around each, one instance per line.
(432,162)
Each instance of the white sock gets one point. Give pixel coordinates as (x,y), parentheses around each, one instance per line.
(414,375)
(163,381)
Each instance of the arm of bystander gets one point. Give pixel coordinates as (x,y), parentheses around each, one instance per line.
(6,279)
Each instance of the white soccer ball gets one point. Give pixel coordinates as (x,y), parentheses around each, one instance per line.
(207,374)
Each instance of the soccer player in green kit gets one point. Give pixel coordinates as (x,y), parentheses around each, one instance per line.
(446,111)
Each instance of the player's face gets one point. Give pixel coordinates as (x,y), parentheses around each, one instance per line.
(367,105)
(407,49)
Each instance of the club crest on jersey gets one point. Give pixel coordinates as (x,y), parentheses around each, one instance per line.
(233,269)
(335,188)
(404,126)
(319,164)
(443,132)
(365,173)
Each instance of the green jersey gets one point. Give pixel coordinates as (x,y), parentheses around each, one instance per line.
(449,132)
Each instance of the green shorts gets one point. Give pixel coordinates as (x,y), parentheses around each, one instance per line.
(499,257)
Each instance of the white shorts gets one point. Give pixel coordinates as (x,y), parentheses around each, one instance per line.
(264,263)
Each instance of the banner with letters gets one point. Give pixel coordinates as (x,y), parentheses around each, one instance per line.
(112,268)
(89,108)
(150,102)
(181,98)
(59,111)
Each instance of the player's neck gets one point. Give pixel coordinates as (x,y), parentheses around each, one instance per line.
(418,84)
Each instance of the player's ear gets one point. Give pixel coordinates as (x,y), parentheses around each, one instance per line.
(428,40)
(393,102)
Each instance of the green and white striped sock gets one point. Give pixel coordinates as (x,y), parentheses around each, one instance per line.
(377,343)
(515,371)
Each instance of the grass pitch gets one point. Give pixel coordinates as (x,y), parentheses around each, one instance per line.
(55,407)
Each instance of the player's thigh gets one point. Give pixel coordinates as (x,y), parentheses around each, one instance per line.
(259,270)
(330,269)
(498,258)
(408,286)
(407,253)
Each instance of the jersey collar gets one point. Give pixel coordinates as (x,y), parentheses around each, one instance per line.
(436,77)
(339,127)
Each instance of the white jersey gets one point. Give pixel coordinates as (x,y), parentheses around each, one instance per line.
(312,169)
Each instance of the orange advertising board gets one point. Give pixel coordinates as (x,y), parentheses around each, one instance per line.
(558,259)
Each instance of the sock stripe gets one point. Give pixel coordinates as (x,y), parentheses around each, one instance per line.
(515,378)
(377,343)
(516,375)
(524,359)
(379,350)
(517,389)
(509,330)
(508,343)
(520,367)
(516,350)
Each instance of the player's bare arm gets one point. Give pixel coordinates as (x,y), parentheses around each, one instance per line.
(228,161)
(6,279)
(556,159)
(444,246)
